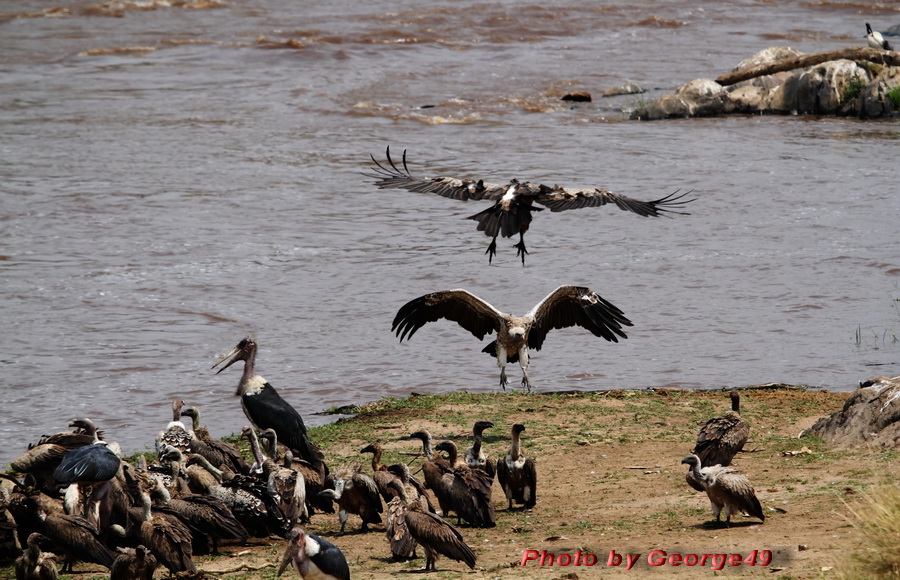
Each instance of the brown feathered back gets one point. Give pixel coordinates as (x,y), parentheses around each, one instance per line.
(721,438)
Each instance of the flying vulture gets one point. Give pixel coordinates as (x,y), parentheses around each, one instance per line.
(566,306)
(514,200)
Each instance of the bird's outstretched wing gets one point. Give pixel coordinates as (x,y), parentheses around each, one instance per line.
(389,175)
(460,306)
(576,305)
(558,198)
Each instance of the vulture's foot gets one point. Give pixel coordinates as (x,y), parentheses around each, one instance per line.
(491,250)
(525,382)
(503,381)
(520,250)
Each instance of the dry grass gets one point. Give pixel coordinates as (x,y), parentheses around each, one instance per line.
(877,519)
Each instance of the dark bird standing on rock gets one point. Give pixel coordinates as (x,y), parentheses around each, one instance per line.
(566,306)
(876,40)
(721,438)
(514,200)
(265,408)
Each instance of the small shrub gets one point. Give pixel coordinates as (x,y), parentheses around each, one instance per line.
(894,96)
(852,89)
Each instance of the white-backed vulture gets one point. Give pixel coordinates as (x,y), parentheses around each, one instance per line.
(514,200)
(203,514)
(265,408)
(313,479)
(133,564)
(475,457)
(382,476)
(44,456)
(355,492)
(221,454)
(433,470)
(379,472)
(403,545)
(313,558)
(721,438)
(73,537)
(175,433)
(564,307)
(876,40)
(288,484)
(433,533)
(247,497)
(35,564)
(469,490)
(164,535)
(517,474)
(726,488)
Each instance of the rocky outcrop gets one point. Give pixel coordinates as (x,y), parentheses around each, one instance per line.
(871,416)
(859,82)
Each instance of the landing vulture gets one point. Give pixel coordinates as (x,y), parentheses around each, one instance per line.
(566,306)
(514,200)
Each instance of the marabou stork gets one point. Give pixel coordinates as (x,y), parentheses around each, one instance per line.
(92,465)
(566,306)
(313,557)
(265,408)
(514,200)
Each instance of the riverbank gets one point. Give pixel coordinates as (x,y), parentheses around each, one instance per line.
(610,480)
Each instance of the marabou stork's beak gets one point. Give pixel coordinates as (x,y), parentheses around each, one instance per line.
(236,354)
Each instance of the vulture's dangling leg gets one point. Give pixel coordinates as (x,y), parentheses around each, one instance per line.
(503,381)
(520,247)
(525,381)
(491,250)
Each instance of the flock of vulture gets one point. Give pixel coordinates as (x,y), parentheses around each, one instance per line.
(71,497)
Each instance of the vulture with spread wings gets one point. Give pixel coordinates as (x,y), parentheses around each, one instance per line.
(514,200)
(566,306)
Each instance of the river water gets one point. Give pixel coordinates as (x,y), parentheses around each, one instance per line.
(177,176)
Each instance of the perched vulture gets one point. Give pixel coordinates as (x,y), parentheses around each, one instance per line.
(566,306)
(475,457)
(726,488)
(435,535)
(514,200)
(721,438)
(517,473)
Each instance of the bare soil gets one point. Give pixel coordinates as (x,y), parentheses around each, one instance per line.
(611,482)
